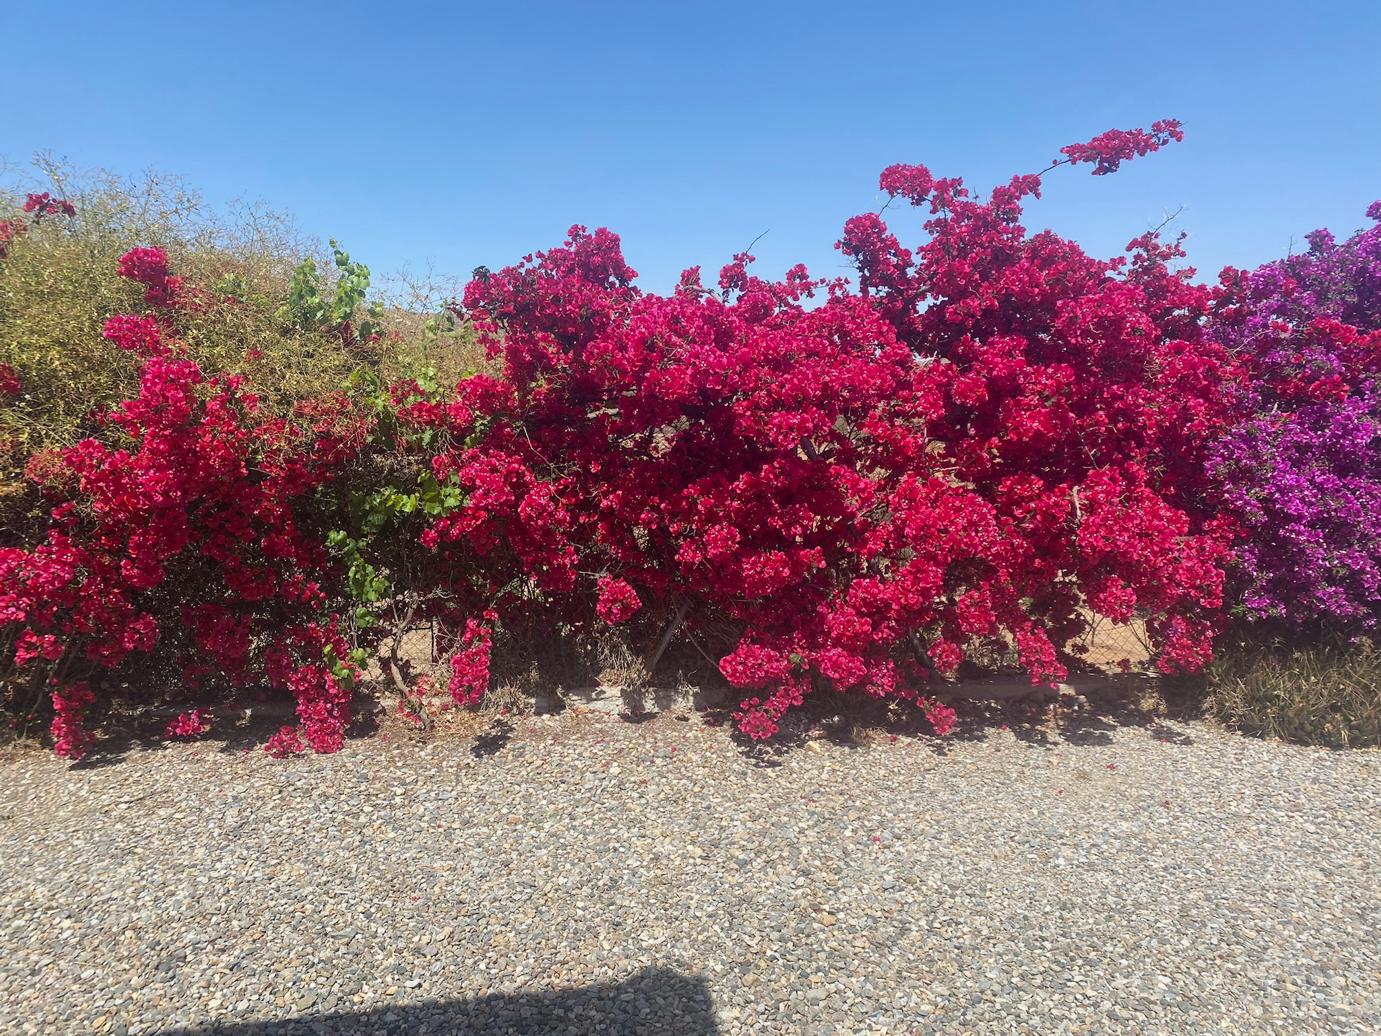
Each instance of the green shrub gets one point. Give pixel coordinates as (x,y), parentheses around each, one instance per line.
(1327,694)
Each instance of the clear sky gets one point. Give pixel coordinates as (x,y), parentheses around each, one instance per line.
(460,134)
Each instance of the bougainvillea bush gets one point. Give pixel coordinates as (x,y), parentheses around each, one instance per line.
(989,437)
(964,454)
(1301,473)
(182,547)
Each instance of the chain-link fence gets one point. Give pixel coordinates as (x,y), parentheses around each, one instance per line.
(1115,646)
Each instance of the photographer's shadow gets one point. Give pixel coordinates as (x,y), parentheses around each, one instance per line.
(654,1001)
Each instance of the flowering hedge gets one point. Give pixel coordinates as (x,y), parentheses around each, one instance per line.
(983,441)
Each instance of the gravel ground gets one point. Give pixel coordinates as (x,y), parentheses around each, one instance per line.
(585,874)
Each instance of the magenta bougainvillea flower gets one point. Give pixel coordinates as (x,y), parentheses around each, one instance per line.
(1301,473)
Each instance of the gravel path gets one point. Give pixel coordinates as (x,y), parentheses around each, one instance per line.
(589,875)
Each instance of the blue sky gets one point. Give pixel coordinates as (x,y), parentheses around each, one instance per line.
(457,134)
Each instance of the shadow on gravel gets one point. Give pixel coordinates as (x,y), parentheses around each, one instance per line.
(235,731)
(1103,706)
(490,741)
(654,1001)
(1093,717)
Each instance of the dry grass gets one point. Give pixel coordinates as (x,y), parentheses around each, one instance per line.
(58,284)
(1323,695)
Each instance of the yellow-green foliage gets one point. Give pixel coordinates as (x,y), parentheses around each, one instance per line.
(58,284)
(1322,695)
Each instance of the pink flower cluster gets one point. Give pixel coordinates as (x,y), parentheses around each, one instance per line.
(192,723)
(9,230)
(1107,151)
(71,738)
(41,205)
(617,602)
(36,207)
(149,267)
(470,662)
